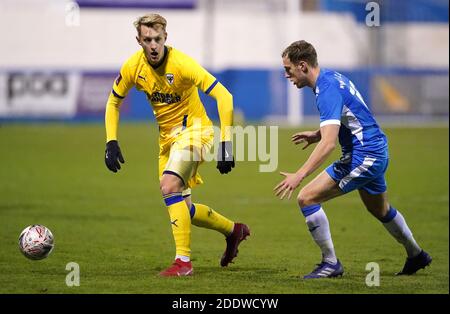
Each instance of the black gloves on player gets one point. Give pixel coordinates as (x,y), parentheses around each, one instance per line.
(225,159)
(113,155)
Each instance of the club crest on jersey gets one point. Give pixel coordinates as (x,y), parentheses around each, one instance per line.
(170,78)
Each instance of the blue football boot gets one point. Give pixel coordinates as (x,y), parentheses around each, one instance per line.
(413,264)
(326,270)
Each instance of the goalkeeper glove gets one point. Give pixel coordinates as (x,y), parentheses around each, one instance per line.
(113,155)
(225,159)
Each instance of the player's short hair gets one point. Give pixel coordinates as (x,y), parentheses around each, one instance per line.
(301,51)
(150,20)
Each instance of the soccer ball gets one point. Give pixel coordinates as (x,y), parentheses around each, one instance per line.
(36,242)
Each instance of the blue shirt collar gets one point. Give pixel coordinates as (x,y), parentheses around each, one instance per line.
(319,78)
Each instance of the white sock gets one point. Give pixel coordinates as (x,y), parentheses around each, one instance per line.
(183,258)
(398,228)
(320,231)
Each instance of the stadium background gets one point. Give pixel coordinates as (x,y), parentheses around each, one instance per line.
(60,63)
(57,63)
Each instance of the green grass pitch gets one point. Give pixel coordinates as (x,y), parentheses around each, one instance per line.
(115,226)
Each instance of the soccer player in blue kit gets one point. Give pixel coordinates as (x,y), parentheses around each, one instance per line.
(344,116)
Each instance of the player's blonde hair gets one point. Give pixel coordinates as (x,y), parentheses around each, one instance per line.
(150,20)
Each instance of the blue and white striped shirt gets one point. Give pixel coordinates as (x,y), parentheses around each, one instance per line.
(340,103)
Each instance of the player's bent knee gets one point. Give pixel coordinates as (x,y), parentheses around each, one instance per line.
(170,185)
(168,188)
(305,198)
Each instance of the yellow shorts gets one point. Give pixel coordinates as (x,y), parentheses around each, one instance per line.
(182,154)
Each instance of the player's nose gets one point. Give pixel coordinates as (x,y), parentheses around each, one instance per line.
(153,45)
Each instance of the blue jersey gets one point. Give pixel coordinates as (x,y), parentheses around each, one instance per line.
(340,103)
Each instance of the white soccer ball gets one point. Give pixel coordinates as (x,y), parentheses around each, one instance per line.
(36,242)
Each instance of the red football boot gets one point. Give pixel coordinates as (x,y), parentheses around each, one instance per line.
(178,268)
(240,232)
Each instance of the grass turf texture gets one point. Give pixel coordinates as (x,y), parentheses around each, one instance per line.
(115,226)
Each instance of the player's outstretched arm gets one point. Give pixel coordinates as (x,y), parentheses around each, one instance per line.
(327,144)
(122,84)
(112,152)
(308,137)
(329,136)
(225,158)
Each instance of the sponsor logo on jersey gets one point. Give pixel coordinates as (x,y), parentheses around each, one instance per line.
(158,97)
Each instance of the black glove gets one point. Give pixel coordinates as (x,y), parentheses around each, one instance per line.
(112,154)
(225,159)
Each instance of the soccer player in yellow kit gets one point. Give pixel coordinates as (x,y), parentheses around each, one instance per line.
(171,81)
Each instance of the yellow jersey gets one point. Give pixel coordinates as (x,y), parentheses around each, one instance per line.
(171,88)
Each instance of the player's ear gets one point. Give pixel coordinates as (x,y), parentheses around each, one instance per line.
(139,42)
(304,66)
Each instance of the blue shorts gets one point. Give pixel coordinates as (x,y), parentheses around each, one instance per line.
(356,171)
